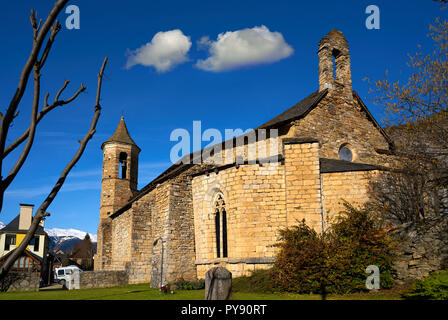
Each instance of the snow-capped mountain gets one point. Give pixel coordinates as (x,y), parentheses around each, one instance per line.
(56,232)
(63,239)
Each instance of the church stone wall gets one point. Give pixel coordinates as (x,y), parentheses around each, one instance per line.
(350,186)
(260,200)
(335,122)
(255,206)
(303,187)
(103,257)
(121,240)
(160,214)
(180,243)
(139,268)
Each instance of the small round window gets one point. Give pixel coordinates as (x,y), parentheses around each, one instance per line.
(345,154)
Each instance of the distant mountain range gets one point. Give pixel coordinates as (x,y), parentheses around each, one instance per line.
(63,239)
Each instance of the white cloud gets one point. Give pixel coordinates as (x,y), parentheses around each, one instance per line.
(165,51)
(246,47)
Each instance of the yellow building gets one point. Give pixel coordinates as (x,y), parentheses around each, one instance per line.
(34,257)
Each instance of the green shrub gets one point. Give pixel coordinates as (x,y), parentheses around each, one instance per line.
(433,287)
(335,261)
(189,285)
(259,281)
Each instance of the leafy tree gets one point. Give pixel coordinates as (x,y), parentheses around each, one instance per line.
(83,250)
(335,261)
(433,287)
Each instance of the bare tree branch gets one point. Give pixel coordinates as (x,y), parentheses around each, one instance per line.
(47,108)
(55,28)
(40,34)
(32,130)
(41,211)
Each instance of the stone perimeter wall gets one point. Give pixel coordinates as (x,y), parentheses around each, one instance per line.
(21,281)
(421,249)
(102,279)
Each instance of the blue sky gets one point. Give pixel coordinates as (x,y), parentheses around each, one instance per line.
(156,102)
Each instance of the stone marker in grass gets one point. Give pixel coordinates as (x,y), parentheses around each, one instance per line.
(218,284)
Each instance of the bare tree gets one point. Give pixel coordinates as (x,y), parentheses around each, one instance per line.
(419,108)
(36,60)
(416,115)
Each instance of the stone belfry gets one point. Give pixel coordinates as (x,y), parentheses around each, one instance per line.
(118,185)
(334,64)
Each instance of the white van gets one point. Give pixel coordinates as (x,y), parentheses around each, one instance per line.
(62,274)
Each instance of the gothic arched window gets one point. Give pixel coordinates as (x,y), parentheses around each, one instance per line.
(220,225)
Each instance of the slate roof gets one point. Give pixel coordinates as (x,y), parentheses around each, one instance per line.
(298,110)
(336,165)
(13,227)
(121,135)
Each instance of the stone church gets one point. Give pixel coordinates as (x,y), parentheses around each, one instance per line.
(195,216)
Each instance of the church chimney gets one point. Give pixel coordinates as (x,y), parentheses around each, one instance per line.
(334,64)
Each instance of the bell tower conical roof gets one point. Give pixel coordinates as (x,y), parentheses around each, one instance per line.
(121,135)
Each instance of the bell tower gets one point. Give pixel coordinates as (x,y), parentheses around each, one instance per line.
(120,170)
(334,64)
(118,185)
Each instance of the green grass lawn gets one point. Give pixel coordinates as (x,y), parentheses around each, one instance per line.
(144,292)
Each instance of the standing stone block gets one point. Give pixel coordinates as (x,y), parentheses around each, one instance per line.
(218,284)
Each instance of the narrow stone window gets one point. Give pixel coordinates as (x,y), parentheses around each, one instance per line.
(334,67)
(345,154)
(224,233)
(218,233)
(123,165)
(335,54)
(220,226)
